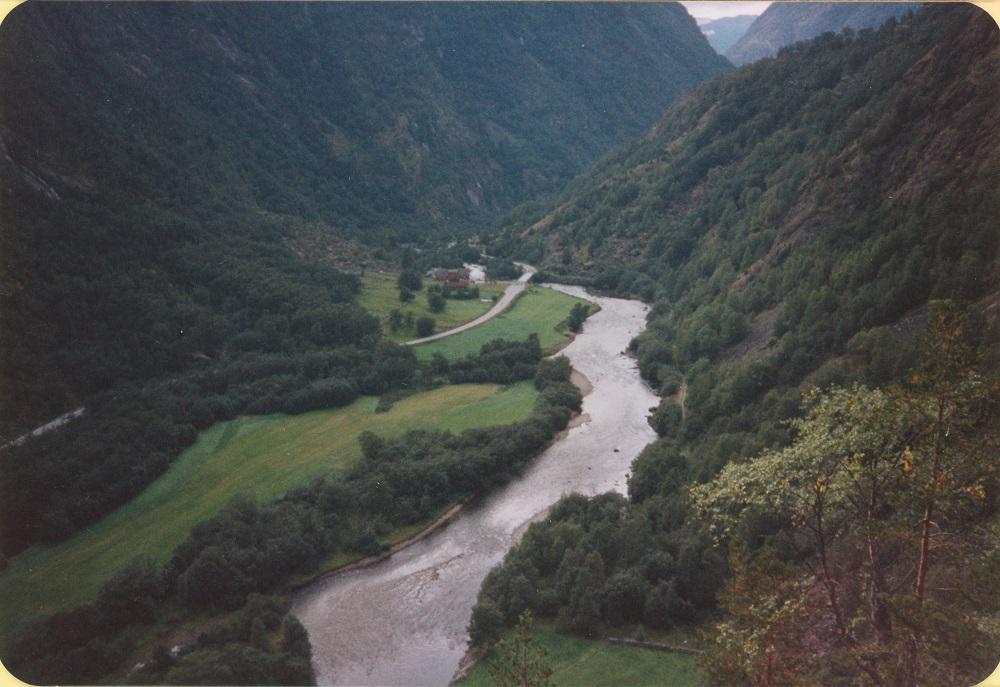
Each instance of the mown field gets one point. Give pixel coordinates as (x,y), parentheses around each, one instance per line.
(539,310)
(262,455)
(577,662)
(380,296)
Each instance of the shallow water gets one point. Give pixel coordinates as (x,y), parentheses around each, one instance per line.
(402,621)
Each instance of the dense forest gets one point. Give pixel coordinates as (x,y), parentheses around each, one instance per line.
(816,234)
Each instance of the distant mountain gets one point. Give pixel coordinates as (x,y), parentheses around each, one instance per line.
(784,23)
(133,135)
(723,33)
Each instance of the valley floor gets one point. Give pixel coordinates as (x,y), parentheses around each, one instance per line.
(539,310)
(263,455)
(380,296)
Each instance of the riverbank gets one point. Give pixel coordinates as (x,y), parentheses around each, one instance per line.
(434,525)
(407,615)
(578,379)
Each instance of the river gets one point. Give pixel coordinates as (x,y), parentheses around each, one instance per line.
(402,621)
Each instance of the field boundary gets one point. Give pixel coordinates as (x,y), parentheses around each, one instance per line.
(657,646)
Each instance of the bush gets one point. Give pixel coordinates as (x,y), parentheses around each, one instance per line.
(666,419)
(435,302)
(551,371)
(486,624)
(425,326)
(577,316)
(410,279)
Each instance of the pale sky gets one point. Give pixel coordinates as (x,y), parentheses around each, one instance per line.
(711,9)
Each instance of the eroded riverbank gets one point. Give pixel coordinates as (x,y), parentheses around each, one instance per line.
(402,621)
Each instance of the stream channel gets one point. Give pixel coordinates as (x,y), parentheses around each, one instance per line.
(403,620)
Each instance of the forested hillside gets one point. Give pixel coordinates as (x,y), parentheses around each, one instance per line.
(784,23)
(825,219)
(132,133)
(360,115)
(780,210)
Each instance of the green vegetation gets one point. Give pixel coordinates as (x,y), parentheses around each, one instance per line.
(166,273)
(577,662)
(897,487)
(763,225)
(250,549)
(380,296)
(538,311)
(763,219)
(265,456)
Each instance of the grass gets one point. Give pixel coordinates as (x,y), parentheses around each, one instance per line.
(380,295)
(263,455)
(539,310)
(577,662)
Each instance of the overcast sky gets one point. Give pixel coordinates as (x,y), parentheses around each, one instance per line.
(710,9)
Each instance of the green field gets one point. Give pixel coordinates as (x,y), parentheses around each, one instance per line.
(264,455)
(380,295)
(539,310)
(579,662)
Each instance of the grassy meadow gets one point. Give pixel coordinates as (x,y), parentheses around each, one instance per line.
(380,296)
(577,662)
(539,310)
(263,455)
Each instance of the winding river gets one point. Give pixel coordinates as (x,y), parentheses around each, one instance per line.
(402,621)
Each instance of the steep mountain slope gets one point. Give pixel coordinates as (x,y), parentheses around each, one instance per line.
(723,33)
(824,219)
(784,23)
(778,211)
(357,113)
(135,134)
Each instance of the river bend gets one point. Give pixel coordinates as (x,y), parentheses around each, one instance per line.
(402,621)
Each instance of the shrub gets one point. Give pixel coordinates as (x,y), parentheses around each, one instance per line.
(425,326)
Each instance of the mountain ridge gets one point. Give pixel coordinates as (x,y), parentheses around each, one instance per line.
(723,33)
(785,23)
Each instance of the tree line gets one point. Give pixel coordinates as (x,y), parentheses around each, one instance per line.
(59,483)
(253,549)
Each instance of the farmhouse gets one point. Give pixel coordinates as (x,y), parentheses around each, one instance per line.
(459,278)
